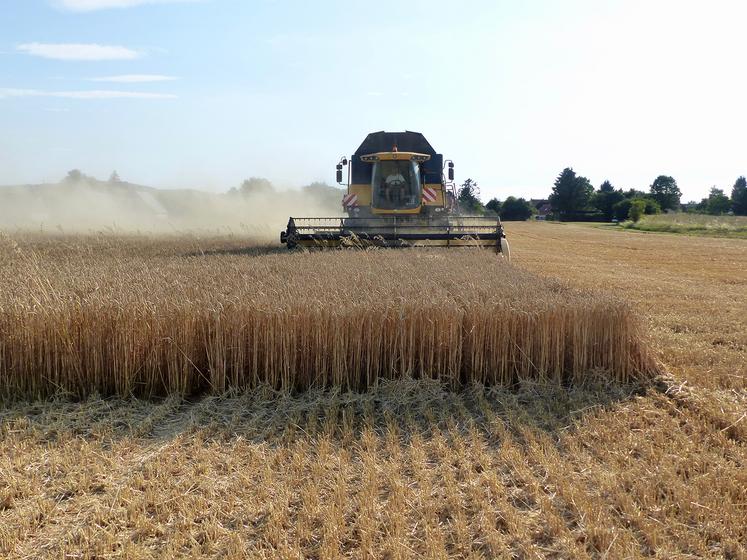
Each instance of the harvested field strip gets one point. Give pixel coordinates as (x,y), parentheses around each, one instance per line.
(119,323)
(406,470)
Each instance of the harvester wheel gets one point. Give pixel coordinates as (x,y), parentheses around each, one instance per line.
(505,249)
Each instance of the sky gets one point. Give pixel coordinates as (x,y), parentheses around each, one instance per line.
(206,93)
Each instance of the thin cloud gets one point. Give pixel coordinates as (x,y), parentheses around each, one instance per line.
(135,78)
(78,51)
(92,5)
(89,94)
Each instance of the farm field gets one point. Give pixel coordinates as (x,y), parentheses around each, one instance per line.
(409,469)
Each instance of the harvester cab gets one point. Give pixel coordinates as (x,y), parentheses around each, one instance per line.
(397,196)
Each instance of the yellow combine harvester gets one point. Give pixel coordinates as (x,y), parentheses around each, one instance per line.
(397,196)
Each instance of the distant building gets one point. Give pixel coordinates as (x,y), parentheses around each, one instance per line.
(542,206)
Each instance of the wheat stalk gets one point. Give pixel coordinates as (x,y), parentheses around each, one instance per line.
(148,316)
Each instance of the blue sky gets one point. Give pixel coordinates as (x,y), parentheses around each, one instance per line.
(204,93)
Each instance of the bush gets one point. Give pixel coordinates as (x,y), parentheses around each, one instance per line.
(622,208)
(494,205)
(516,209)
(637,209)
(589,216)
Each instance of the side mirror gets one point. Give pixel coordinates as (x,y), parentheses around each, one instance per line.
(339,173)
(451,171)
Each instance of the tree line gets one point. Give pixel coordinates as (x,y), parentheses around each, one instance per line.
(574,198)
(512,208)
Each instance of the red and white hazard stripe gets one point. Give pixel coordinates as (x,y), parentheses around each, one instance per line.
(350,200)
(429,194)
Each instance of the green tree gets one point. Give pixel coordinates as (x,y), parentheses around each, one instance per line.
(605,199)
(634,193)
(718,203)
(469,197)
(571,193)
(621,210)
(665,191)
(637,209)
(739,197)
(516,209)
(494,205)
(652,207)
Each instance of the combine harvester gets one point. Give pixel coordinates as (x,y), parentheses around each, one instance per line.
(397,196)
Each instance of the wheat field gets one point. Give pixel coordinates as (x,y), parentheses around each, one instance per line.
(410,468)
(110,315)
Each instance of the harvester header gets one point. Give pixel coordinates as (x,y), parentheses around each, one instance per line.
(397,195)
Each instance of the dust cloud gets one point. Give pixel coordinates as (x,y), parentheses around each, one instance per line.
(83,204)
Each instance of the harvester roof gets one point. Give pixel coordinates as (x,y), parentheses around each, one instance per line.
(407,141)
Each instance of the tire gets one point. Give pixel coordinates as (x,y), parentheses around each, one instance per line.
(505,249)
